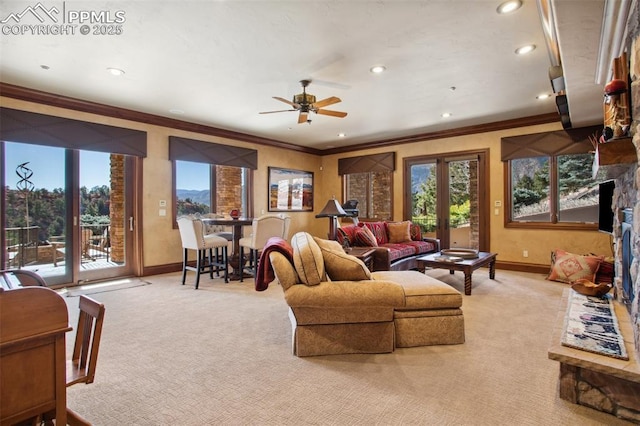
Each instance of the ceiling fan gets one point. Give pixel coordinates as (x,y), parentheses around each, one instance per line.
(306,103)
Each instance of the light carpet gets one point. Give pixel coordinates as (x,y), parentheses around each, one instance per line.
(221,355)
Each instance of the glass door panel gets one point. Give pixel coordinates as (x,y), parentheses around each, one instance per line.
(67,214)
(446,199)
(104,224)
(424,200)
(37,236)
(463,203)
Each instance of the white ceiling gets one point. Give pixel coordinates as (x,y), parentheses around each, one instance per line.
(221,62)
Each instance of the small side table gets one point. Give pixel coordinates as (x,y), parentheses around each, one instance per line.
(363,253)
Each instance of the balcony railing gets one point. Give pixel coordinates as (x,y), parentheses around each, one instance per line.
(23,245)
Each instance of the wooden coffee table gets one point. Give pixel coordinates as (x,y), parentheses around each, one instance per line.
(466,265)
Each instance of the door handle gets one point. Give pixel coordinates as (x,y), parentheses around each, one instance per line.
(446,224)
(131,223)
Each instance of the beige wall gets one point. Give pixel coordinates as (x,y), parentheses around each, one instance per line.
(161,243)
(508,243)
(159,233)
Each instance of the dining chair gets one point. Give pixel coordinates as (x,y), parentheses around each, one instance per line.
(218,230)
(262,228)
(81,368)
(194,238)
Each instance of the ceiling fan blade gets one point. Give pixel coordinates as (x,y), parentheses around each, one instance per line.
(332,113)
(325,102)
(282,110)
(293,104)
(302,118)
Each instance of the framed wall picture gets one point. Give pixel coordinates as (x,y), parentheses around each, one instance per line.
(290,190)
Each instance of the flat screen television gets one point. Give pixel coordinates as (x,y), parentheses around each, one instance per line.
(605,210)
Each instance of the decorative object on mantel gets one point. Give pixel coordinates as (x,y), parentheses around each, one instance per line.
(617,114)
(591,325)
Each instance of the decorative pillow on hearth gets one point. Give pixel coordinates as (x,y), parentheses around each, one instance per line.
(344,267)
(365,238)
(399,232)
(568,267)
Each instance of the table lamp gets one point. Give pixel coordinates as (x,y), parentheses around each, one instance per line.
(333,211)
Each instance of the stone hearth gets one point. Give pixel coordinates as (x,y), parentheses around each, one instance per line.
(598,381)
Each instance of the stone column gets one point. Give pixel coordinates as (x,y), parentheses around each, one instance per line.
(117,217)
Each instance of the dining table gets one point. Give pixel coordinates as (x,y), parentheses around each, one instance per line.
(236,225)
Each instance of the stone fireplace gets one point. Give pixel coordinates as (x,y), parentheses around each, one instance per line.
(626,203)
(597,381)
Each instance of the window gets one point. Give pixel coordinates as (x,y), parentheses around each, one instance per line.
(211,178)
(548,179)
(369,180)
(553,190)
(208,188)
(372,190)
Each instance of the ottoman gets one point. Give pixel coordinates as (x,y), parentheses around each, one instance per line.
(432,314)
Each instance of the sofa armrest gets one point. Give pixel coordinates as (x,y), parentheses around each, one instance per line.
(435,241)
(381,259)
(337,294)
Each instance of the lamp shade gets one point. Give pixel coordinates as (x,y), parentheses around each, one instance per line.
(332,209)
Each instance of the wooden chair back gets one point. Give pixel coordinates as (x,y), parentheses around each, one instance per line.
(82,366)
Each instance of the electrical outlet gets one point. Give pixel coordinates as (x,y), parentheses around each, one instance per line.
(525,253)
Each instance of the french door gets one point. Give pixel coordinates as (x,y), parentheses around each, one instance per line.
(68,214)
(447,195)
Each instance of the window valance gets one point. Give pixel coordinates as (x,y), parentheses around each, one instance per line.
(367,163)
(211,153)
(41,129)
(561,142)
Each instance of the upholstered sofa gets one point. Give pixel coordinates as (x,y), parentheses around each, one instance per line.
(397,244)
(337,306)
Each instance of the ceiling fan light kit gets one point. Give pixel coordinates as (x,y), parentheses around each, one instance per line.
(306,103)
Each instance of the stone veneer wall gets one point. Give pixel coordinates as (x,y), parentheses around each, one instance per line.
(228,189)
(627,195)
(117,208)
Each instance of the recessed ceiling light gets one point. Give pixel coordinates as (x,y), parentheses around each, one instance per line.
(525,49)
(176,111)
(378,69)
(446,114)
(543,96)
(509,6)
(342,135)
(115,71)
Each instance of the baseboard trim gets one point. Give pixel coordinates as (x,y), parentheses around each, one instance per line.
(161,269)
(509,266)
(535,268)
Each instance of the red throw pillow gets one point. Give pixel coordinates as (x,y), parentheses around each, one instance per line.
(365,238)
